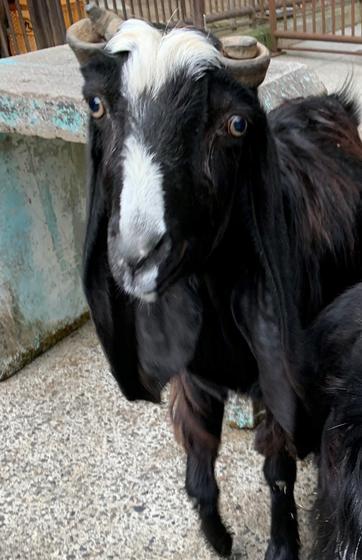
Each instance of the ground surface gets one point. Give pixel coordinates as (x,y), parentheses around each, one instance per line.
(84,474)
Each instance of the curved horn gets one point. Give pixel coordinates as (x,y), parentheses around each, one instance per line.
(246,58)
(105,23)
(91,34)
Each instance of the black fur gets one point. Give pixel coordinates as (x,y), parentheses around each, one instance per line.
(264,230)
(335,373)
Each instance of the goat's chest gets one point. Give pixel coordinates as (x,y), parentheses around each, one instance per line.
(168,330)
(184,330)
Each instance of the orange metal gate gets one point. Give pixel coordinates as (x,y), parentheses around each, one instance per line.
(337,21)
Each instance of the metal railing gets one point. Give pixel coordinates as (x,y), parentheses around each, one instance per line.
(199,12)
(27,25)
(337,21)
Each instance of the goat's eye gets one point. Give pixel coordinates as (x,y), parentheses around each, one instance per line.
(96,107)
(237,126)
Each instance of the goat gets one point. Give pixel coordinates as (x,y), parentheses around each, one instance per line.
(215,234)
(334,393)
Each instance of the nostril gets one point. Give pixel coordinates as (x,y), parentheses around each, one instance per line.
(153,251)
(156,249)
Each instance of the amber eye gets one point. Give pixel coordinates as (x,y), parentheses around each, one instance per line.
(96,107)
(237,126)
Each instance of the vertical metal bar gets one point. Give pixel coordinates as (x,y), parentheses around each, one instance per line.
(148,10)
(343,26)
(140,9)
(183,13)
(124,10)
(132,8)
(40,25)
(70,12)
(189,11)
(273,25)
(79,9)
(163,10)
(304,17)
(170,10)
(333,17)
(57,22)
(353,17)
(4,50)
(323,9)
(156,11)
(106,4)
(11,25)
(22,25)
(314,21)
(262,8)
(198,13)
(285,21)
(294,15)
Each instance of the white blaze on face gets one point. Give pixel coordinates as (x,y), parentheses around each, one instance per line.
(153,59)
(142,208)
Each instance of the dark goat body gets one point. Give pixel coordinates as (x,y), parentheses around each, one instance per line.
(334,373)
(253,240)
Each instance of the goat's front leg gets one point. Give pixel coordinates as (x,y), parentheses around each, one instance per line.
(197,413)
(280,472)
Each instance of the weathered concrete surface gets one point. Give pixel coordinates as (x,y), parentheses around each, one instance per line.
(42,217)
(40,92)
(85,474)
(40,95)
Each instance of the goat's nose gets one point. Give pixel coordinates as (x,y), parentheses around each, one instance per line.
(154,251)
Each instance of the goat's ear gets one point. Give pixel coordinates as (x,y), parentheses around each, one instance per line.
(263,305)
(112,312)
(258,320)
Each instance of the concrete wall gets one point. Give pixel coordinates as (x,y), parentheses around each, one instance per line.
(42,218)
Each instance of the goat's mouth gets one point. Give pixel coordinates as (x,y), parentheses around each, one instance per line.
(153,279)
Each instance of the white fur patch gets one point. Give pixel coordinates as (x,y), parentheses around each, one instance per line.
(155,57)
(142,209)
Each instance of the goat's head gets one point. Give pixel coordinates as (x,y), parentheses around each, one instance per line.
(168,120)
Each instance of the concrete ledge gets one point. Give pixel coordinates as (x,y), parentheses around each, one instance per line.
(42,218)
(40,93)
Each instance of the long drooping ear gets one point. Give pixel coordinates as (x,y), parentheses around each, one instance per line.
(263,302)
(112,311)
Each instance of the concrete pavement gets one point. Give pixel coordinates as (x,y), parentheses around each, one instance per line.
(85,474)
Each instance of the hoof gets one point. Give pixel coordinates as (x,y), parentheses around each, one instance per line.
(281,552)
(217,536)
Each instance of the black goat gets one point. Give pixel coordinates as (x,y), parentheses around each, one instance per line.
(215,233)
(334,372)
